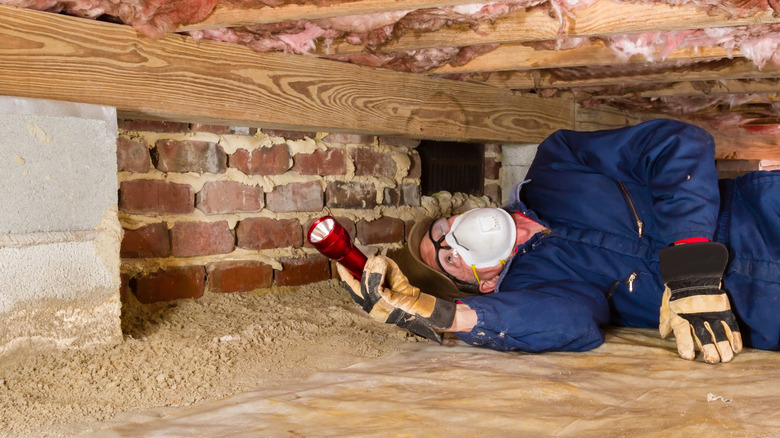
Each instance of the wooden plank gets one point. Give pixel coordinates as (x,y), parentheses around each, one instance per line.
(603,18)
(231,16)
(729,145)
(44,55)
(606,117)
(708,88)
(540,79)
(740,145)
(519,57)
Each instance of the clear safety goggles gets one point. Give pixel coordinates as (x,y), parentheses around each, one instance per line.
(445,254)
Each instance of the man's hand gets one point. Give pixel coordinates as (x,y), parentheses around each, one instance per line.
(402,295)
(694,306)
(371,296)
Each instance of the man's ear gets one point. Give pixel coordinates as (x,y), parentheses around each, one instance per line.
(487,286)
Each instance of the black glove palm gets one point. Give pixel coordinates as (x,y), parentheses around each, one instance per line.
(694,306)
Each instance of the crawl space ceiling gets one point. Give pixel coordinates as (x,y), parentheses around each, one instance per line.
(712,62)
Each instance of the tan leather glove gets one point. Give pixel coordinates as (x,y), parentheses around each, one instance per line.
(404,296)
(694,306)
(370,294)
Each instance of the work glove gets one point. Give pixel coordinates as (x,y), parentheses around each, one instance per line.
(694,306)
(386,295)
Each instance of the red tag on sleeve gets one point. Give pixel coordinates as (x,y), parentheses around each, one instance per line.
(692,240)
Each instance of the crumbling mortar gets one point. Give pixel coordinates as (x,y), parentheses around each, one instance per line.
(231,143)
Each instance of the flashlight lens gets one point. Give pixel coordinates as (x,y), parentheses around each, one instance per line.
(321,230)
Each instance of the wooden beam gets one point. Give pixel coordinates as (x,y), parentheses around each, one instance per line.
(704,88)
(729,145)
(518,57)
(51,56)
(741,145)
(231,16)
(606,117)
(603,18)
(540,79)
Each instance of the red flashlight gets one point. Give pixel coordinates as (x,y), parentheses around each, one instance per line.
(333,241)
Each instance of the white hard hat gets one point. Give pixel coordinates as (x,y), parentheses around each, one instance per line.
(483,237)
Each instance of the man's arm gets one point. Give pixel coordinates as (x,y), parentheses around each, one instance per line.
(551,316)
(673,160)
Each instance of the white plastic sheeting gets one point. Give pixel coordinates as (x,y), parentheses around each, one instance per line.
(633,386)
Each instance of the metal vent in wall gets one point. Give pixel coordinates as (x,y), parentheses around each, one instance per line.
(452,166)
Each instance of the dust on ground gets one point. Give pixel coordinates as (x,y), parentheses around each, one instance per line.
(187,352)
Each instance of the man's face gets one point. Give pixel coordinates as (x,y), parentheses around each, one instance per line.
(437,254)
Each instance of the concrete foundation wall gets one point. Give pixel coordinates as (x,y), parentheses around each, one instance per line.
(59,231)
(515,161)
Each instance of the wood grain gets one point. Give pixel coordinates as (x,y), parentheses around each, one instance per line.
(44,55)
(603,18)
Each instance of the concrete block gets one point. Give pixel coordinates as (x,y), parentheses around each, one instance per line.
(59,173)
(59,231)
(511,175)
(61,293)
(518,154)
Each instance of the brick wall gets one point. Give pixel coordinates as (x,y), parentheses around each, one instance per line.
(225,209)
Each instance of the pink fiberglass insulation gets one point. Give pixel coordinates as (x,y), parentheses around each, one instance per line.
(418,60)
(691,106)
(153,18)
(735,8)
(369,30)
(760,44)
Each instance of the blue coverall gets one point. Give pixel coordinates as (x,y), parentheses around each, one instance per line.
(611,199)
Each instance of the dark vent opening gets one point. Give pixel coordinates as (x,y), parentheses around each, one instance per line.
(452,166)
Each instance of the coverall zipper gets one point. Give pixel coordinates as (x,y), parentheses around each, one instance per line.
(638,221)
(629,282)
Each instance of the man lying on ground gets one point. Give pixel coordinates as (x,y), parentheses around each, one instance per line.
(627,227)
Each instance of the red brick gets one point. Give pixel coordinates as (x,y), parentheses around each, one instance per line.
(305,196)
(410,194)
(223,130)
(493,191)
(339,138)
(406,194)
(415,165)
(328,162)
(383,230)
(401,142)
(190,239)
(132,155)
(373,162)
(259,233)
(348,225)
(301,271)
(155,196)
(350,195)
(289,135)
(239,276)
(170,284)
(153,125)
(492,168)
(184,156)
(148,241)
(272,160)
(229,197)
(391,196)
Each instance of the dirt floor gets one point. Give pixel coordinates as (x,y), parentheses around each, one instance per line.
(189,352)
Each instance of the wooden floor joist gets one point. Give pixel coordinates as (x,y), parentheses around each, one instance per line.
(51,56)
(602,18)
